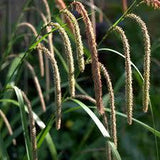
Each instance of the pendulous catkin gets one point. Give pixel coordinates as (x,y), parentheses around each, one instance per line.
(112,103)
(41,63)
(7,125)
(37,84)
(128,83)
(69,55)
(147,61)
(32,127)
(94,56)
(57,84)
(153,3)
(78,40)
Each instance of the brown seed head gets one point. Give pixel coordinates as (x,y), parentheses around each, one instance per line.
(147,61)
(95,63)
(128,85)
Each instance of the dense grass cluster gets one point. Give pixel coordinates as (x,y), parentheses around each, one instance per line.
(59,45)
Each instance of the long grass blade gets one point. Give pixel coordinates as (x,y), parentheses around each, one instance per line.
(100,126)
(24,121)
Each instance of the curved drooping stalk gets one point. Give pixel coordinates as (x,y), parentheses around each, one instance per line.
(124,5)
(128,83)
(32,28)
(57,84)
(78,40)
(93,16)
(61,5)
(37,84)
(50,43)
(95,63)
(32,127)
(112,103)
(3,116)
(147,61)
(39,12)
(69,55)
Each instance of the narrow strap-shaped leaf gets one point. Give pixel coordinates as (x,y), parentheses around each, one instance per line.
(100,127)
(24,121)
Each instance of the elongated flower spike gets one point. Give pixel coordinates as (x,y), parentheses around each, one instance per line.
(32,28)
(3,116)
(57,84)
(69,55)
(112,103)
(94,55)
(78,40)
(147,61)
(32,127)
(128,83)
(37,84)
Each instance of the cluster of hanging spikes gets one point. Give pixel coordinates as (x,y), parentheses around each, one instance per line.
(92,44)
(95,65)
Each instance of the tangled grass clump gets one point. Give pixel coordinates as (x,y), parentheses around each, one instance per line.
(46,42)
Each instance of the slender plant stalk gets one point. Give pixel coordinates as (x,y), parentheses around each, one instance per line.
(85,97)
(112,103)
(101,13)
(147,61)
(32,28)
(93,16)
(32,127)
(50,43)
(37,84)
(69,55)
(78,40)
(128,86)
(48,13)
(95,64)
(107,148)
(3,116)
(57,83)
(61,5)
(39,12)
(124,4)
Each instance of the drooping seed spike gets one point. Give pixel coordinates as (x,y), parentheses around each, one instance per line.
(147,61)
(78,40)
(128,83)
(93,48)
(57,84)
(69,55)
(112,103)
